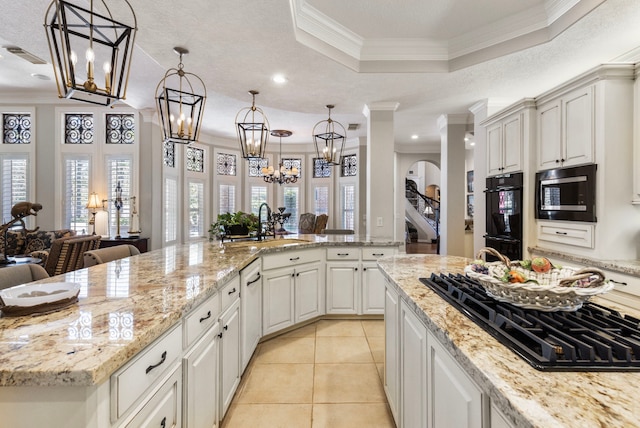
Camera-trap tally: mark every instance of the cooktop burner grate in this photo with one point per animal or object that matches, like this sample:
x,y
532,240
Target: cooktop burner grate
x,y
594,338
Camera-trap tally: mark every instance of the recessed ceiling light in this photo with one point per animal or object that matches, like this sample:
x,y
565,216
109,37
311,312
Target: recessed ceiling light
x,y
414,137
40,76
279,78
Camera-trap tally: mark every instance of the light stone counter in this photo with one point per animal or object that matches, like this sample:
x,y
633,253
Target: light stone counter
x,y
125,305
528,397
629,267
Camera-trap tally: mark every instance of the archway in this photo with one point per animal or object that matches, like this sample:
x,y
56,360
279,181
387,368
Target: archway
x,y
422,193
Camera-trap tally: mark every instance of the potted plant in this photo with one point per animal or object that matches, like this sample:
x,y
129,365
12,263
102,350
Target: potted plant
x,y
237,224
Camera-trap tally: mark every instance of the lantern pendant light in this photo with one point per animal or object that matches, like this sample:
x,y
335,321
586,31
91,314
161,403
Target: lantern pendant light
x,y
73,29
329,143
181,98
252,128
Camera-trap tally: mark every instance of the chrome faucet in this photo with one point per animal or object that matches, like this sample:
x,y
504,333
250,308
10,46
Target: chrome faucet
x,y
260,222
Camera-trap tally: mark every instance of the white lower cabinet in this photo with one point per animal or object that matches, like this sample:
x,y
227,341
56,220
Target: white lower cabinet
x,y
372,289
164,408
392,350
343,287
413,370
229,355
498,420
308,292
454,400
250,310
277,300
200,373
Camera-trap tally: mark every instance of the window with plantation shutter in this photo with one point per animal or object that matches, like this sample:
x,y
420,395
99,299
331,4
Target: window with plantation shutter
x,y
227,198
119,170
77,170
291,203
348,206
258,196
15,182
170,209
196,209
321,200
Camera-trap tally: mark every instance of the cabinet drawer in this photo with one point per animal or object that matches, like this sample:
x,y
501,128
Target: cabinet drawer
x,y
229,293
580,235
131,381
343,253
201,319
164,408
291,258
374,253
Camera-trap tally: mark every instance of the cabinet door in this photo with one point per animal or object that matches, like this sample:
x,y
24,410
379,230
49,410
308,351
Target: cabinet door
x,y
163,408
372,289
549,135
229,356
277,300
494,149
454,400
578,132
200,401
308,292
512,144
251,310
391,349
413,370
342,287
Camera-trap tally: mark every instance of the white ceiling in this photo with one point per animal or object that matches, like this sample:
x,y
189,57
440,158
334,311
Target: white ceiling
x,y
432,57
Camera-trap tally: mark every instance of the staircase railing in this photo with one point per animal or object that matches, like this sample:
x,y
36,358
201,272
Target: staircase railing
x,y
428,208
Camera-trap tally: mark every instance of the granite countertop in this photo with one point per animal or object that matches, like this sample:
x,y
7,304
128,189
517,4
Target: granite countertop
x,y
125,305
630,267
528,397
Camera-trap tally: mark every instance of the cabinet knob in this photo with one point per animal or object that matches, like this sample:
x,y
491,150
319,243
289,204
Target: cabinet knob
x,y
220,335
562,160
298,274
356,269
226,327
557,160
364,269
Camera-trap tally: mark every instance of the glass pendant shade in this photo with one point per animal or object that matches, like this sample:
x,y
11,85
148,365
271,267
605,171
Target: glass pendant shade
x,y
181,98
329,137
91,51
252,127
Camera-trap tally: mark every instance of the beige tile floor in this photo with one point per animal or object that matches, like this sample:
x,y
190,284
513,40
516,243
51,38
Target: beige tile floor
x,y
326,374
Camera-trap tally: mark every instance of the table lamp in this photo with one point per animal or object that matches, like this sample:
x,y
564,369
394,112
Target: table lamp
x,y
94,203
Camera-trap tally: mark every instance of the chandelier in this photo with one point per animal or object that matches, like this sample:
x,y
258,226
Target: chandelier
x,y
252,127
74,29
281,175
181,98
329,143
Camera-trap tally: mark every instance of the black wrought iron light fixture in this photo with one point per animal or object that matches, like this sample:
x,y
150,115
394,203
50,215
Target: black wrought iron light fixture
x,y
180,97
252,127
329,143
282,175
72,30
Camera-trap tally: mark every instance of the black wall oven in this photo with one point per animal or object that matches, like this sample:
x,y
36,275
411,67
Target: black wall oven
x,y
504,215
567,194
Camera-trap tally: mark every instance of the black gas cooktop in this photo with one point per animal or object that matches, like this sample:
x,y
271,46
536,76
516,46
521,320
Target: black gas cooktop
x,y
594,338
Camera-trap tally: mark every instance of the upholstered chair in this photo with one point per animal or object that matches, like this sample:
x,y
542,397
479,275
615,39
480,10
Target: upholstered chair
x,y
104,255
67,254
321,223
307,223
21,274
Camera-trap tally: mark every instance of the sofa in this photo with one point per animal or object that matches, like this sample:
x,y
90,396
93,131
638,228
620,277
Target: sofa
x,y
33,244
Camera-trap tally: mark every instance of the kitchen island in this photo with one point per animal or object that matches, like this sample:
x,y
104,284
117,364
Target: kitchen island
x,y
69,356
523,396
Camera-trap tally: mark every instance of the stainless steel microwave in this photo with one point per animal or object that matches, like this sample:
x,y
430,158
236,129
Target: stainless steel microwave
x,y
567,194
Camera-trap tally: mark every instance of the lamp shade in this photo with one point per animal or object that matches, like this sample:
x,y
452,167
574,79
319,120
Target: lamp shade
x,y
181,98
252,127
329,143
94,201
80,38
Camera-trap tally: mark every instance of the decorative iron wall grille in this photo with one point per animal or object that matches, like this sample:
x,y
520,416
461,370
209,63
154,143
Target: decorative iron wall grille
x,y
290,163
78,128
195,159
16,128
256,165
349,166
120,128
321,168
170,154
226,164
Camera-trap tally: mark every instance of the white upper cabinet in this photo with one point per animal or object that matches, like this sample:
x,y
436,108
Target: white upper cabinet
x,y
566,130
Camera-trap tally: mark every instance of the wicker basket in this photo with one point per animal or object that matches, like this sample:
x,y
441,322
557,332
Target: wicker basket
x,y
560,289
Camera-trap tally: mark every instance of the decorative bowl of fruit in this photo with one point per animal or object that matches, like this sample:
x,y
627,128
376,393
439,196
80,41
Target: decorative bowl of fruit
x,y
537,283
